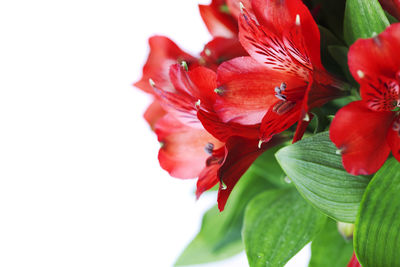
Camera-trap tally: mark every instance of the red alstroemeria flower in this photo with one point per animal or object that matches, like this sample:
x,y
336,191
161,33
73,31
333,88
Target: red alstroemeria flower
x,y
164,53
188,150
366,131
392,6
354,262
185,143
283,78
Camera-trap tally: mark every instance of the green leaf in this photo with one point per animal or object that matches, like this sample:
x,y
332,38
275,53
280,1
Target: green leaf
x,y
330,14
339,54
329,248
317,171
391,18
377,235
267,166
278,224
204,248
220,233
328,39
363,19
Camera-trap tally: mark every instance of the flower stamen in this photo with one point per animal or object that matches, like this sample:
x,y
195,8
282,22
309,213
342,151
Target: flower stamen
x,y
209,148
279,92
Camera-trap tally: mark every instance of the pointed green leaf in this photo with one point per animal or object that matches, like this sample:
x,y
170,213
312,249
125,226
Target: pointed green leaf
x,y
220,234
329,248
317,171
278,224
377,235
363,19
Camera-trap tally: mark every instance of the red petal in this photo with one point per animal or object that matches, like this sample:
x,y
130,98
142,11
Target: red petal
x,y
393,138
234,7
193,88
222,131
221,49
217,22
319,91
153,113
302,125
268,48
354,262
280,17
375,57
322,90
279,118
240,154
163,53
381,94
183,152
360,135
208,177
248,90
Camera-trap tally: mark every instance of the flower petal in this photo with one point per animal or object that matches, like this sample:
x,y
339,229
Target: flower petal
x,y
360,135
240,154
354,262
393,138
208,177
268,48
221,49
222,131
304,121
153,113
163,53
280,117
234,6
371,58
193,88
247,90
182,151
280,17
218,23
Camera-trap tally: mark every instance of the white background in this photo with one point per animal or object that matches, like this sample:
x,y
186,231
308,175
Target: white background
x,y
80,183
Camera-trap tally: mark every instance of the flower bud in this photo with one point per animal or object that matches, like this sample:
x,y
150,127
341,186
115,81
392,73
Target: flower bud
x,y
346,230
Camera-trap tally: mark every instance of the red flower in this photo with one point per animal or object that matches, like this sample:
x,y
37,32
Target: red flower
x,y
366,131
188,150
185,144
283,78
164,53
354,262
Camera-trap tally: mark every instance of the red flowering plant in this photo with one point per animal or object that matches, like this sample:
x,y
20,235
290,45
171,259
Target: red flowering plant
x,y
291,112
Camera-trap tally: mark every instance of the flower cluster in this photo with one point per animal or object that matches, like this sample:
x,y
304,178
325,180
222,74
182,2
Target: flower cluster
x,y
216,113
263,80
